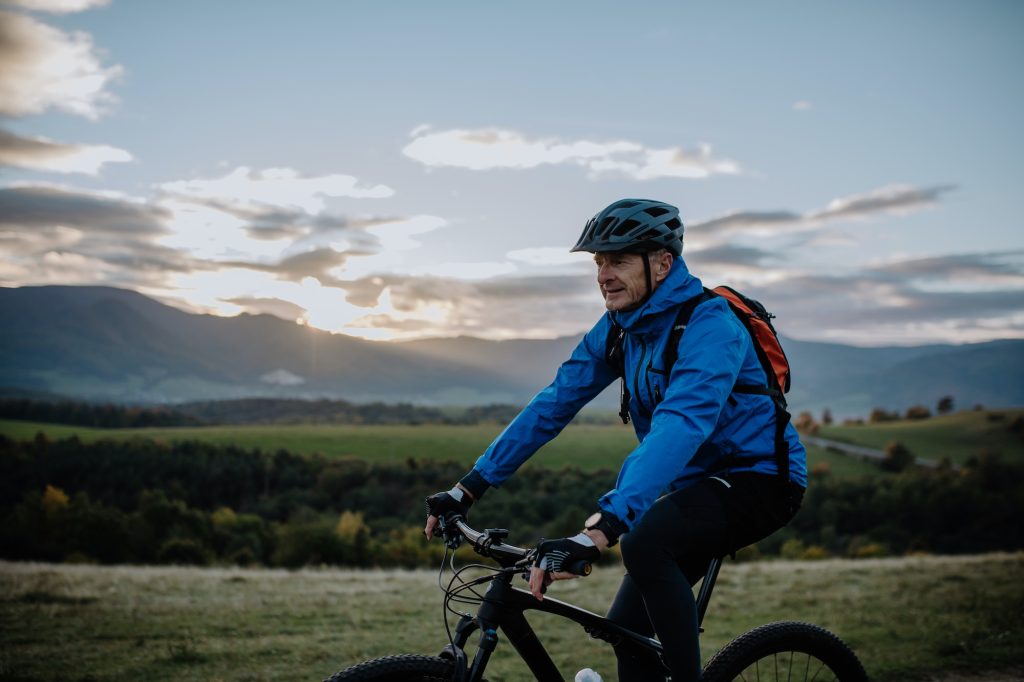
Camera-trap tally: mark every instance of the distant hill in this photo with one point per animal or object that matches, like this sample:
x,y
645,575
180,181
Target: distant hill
x,y
104,343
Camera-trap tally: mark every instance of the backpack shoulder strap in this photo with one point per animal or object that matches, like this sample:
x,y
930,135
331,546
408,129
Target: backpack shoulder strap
x,y
613,354
686,309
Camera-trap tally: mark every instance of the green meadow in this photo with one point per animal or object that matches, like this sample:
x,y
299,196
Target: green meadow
x,y
905,617
587,446
956,436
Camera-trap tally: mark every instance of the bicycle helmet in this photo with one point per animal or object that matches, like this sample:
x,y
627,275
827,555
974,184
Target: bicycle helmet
x,y
636,225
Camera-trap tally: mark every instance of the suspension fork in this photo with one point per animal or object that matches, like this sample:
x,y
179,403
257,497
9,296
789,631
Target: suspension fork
x,y
500,610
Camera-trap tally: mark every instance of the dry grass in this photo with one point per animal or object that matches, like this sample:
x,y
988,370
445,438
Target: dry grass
x,y
906,617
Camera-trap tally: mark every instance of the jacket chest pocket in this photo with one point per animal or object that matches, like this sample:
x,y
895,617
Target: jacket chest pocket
x,y
656,381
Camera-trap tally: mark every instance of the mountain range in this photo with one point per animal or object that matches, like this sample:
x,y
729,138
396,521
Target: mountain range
x,y
104,343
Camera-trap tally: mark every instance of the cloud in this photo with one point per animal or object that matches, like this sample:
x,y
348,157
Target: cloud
x,y
282,377
491,148
256,305
30,207
251,217
55,6
55,235
45,67
964,297
889,199
274,222
501,307
244,189
41,154
730,254
1005,267
316,263
549,255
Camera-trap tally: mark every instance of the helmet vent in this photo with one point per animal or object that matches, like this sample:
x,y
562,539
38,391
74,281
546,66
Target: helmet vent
x,y
673,223
655,211
624,228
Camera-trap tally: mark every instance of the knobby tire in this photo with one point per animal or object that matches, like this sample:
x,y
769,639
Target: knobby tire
x,y
404,668
789,651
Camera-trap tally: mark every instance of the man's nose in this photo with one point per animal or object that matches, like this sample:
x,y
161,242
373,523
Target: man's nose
x,y
604,274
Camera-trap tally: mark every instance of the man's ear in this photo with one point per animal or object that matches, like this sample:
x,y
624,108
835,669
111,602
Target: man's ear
x,y
663,264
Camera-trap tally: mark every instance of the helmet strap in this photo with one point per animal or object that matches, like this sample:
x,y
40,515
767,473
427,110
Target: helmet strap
x,y
648,276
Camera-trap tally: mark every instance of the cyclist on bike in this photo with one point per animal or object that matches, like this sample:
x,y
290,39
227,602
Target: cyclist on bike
x,y
709,447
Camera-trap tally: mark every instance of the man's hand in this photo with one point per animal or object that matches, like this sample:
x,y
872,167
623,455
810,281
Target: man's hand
x,y
556,557
457,500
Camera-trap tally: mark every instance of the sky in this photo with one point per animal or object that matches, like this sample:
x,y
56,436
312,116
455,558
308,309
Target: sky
x,y
395,170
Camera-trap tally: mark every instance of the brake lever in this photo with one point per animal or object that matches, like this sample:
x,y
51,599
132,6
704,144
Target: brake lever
x,y
452,537
523,566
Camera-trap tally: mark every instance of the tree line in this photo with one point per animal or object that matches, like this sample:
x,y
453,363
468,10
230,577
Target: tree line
x,y
107,416
246,411
143,501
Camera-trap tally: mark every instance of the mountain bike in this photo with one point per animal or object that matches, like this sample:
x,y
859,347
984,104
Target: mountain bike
x,y
785,650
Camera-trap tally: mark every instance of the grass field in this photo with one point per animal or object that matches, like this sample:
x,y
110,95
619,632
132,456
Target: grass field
x,y
590,447
956,436
905,617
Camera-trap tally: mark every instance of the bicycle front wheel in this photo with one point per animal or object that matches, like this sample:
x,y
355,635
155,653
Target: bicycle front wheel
x,y
404,668
795,652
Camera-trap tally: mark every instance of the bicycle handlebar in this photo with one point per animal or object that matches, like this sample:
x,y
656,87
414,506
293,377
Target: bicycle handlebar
x,y
489,543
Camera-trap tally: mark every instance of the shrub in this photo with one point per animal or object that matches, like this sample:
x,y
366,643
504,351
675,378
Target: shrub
x,y
792,548
918,412
815,553
308,543
869,550
805,423
897,457
185,551
879,414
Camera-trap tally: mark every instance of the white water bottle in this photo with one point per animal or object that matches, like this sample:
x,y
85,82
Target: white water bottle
x,y
588,675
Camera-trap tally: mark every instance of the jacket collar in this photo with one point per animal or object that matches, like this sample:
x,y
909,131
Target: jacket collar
x,y
679,286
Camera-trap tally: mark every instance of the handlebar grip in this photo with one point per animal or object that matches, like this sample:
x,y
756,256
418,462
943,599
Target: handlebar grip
x,y
581,567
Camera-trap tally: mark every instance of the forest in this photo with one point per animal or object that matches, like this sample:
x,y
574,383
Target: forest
x,y
142,501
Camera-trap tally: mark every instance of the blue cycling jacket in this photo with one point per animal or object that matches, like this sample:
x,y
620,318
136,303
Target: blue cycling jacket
x,y
689,422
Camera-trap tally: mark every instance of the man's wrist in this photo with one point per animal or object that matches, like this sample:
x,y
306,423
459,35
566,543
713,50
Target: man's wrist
x,y
608,524
598,538
475,484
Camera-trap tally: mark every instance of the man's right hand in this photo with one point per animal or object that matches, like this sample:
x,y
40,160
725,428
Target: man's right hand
x,y
457,500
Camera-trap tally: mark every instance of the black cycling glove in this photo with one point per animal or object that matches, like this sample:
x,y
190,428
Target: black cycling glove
x,y
455,500
565,555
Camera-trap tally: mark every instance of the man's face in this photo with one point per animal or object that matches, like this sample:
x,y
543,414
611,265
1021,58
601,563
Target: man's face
x,y
622,279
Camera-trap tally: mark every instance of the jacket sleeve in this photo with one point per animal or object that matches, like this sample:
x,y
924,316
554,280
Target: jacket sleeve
x,y
578,381
710,356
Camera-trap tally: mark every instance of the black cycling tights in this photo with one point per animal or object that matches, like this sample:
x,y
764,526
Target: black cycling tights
x,y
668,552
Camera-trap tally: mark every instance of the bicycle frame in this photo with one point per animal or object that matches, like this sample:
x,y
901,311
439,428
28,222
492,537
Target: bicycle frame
x,y
504,607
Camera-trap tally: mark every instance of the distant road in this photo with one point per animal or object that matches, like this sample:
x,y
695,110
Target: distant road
x,y
861,451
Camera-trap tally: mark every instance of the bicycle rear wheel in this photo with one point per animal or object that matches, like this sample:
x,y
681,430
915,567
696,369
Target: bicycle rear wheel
x,y
791,651
404,668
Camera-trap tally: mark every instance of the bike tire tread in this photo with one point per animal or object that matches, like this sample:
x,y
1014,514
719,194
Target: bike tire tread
x,y
400,668
783,636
